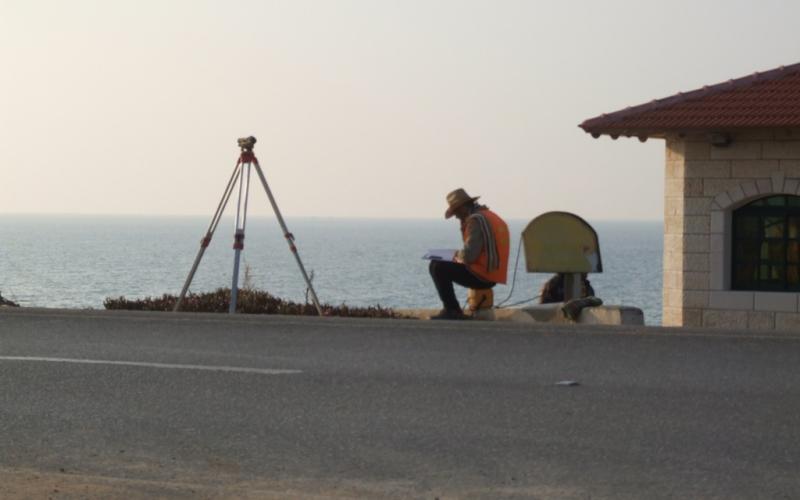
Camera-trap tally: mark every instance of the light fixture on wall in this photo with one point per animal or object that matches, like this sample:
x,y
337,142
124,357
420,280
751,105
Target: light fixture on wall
x,y
719,139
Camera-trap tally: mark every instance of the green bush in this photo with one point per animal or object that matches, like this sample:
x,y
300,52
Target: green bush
x,y
249,301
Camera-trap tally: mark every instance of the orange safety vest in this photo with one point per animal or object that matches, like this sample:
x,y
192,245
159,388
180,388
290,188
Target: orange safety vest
x,y
501,237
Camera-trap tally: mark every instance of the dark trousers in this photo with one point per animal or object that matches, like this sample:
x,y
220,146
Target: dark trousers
x,y
445,273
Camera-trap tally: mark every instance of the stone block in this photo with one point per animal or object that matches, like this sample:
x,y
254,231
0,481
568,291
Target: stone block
x,y
716,262
736,193
776,301
696,169
671,316
716,318
673,207
695,299
673,297
674,169
729,299
764,186
777,182
786,134
675,148
760,320
512,314
696,224
551,313
611,315
716,243
697,150
752,169
696,205
673,188
696,243
697,262
679,188
713,187
723,200
673,242
744,150
692,317
673,225
673,260
787,321
673,280
695,281
717,221
781,149
758,134
750,189
693,187
790,168
544,313
790,186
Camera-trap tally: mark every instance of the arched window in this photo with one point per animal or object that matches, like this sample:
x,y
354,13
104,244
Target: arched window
x,y
766,245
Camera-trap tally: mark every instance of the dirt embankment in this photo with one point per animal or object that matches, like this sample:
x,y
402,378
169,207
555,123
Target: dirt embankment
x,y
31,484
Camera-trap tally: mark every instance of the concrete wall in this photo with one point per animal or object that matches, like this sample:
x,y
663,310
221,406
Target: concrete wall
x,y
703,185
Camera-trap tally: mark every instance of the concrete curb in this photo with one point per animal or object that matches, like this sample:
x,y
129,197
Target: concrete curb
x,y
338,323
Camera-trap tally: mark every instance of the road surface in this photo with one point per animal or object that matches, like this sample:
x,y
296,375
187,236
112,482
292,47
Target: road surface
x,y
138,405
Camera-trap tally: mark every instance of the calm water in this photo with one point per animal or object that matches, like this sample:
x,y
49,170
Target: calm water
x,y
77,261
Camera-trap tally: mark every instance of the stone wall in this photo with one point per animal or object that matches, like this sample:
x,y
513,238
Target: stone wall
x,y
703,185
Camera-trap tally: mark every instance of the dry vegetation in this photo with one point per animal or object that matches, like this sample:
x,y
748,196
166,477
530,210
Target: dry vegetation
x,y
249,301
6,302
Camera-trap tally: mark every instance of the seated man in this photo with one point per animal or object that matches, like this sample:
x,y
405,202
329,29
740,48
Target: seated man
x,y
481,263
553,289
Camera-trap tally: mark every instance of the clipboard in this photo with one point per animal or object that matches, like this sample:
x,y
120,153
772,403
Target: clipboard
x,y
440,254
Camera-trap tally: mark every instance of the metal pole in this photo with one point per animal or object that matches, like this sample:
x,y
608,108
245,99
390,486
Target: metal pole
x,y
573,286
209,234
286,234
238,237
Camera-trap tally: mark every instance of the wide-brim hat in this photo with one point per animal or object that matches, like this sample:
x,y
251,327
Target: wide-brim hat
x,y
456,199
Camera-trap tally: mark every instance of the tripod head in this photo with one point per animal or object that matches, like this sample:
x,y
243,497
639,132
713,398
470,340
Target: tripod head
x,y
247,144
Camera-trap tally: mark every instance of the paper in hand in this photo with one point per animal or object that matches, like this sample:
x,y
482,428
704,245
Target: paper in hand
x,y
440,254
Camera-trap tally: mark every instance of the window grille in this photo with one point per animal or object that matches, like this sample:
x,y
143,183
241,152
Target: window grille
x,y
766,245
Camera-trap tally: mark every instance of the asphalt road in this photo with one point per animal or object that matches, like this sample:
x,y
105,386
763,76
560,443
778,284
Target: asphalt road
x,y
104,404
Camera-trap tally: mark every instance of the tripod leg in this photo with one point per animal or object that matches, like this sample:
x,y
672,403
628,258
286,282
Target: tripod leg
x,y
209,234
289,237
238,238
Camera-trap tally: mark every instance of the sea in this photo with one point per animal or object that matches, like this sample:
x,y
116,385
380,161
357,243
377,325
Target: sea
x,y
77,261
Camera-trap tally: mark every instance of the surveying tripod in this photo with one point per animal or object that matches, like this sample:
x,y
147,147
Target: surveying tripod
x,y
241,177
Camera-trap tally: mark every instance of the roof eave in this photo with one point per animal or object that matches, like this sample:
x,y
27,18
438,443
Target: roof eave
x,y
663,132
615,133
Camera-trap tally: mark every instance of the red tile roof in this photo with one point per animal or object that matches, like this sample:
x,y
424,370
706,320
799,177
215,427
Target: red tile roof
x,y
761,100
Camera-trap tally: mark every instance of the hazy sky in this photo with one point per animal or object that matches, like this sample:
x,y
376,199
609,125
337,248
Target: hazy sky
x,y
361,108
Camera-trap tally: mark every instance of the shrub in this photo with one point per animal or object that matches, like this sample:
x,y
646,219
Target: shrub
x,y
249,301
6,302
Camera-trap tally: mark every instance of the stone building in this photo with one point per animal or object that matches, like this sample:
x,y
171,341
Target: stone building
x,y
731,198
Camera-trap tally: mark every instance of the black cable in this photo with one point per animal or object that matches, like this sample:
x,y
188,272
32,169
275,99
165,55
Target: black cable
x,y
523,301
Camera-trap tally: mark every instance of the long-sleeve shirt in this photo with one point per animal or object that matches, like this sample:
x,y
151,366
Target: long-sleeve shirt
x,y
473,245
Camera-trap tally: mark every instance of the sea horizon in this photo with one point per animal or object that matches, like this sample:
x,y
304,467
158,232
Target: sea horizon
x,y
285,216
76,261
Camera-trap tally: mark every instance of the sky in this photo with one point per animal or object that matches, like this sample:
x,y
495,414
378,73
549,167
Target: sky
x,y
369,108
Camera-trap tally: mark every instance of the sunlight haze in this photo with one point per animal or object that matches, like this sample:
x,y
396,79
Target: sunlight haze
x,y
361,108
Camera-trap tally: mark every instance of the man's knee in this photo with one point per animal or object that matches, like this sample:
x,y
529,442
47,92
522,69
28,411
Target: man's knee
x,y
434,268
